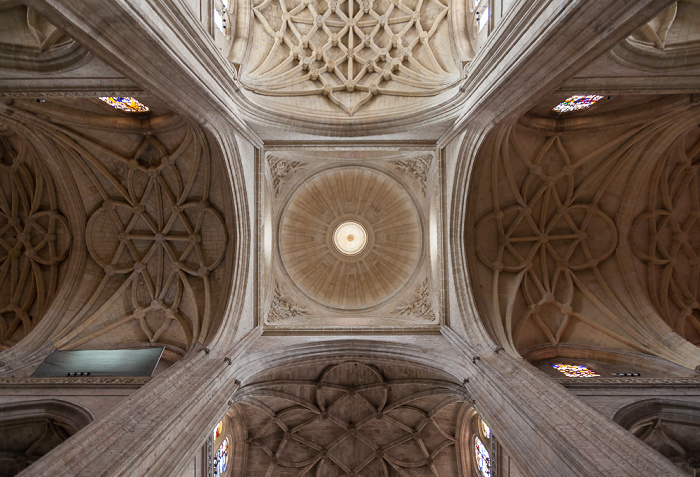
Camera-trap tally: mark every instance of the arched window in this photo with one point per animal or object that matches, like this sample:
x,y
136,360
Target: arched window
x,y
221,459
483,457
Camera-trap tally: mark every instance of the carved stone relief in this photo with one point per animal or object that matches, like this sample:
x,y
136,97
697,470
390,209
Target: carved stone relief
x,y
35,238
351,419
418,169
666,237
421,305
280,169
350,51
283,307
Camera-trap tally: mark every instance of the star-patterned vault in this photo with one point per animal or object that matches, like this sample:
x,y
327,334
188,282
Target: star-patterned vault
x,y
352,50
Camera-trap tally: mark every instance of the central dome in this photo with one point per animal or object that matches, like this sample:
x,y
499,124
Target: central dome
x,y
350,238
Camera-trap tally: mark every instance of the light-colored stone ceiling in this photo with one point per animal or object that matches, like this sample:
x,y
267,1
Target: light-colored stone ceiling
x,y
577,234
124,213
393,282
347,58
355,419
394,238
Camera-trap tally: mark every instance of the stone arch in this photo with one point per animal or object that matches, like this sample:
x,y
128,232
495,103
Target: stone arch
x,y
545,230
670,427
29,430
325,414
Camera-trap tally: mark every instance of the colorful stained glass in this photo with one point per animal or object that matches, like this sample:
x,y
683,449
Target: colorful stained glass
x,y
217,430
482,18
485,430
125,103
576,103
220,15
483,458
575,371
221,459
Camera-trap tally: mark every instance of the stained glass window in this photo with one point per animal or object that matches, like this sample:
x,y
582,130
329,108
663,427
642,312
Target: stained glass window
x,y
576,103
486,430
482,17
575,371
483,458
220,18
217,430
221,459
125,103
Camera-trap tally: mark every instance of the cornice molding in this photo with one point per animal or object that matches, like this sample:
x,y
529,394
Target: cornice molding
x,y
79,381
635,382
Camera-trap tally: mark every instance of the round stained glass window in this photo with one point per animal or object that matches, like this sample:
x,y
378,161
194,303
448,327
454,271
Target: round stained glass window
x,y
350,238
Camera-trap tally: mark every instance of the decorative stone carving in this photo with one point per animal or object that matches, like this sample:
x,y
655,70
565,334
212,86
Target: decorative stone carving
x,y
540,236
351,420
421,306
666,237
350,50
418,169
283,306
35,238
156,236
280,169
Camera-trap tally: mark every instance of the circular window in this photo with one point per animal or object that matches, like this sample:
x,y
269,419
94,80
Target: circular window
x,y
350,238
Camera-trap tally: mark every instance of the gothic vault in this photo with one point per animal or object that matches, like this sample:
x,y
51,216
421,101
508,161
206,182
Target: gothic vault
x,y
366,238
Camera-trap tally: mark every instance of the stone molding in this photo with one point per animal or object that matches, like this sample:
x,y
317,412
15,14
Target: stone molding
x,y
635,382
80,381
